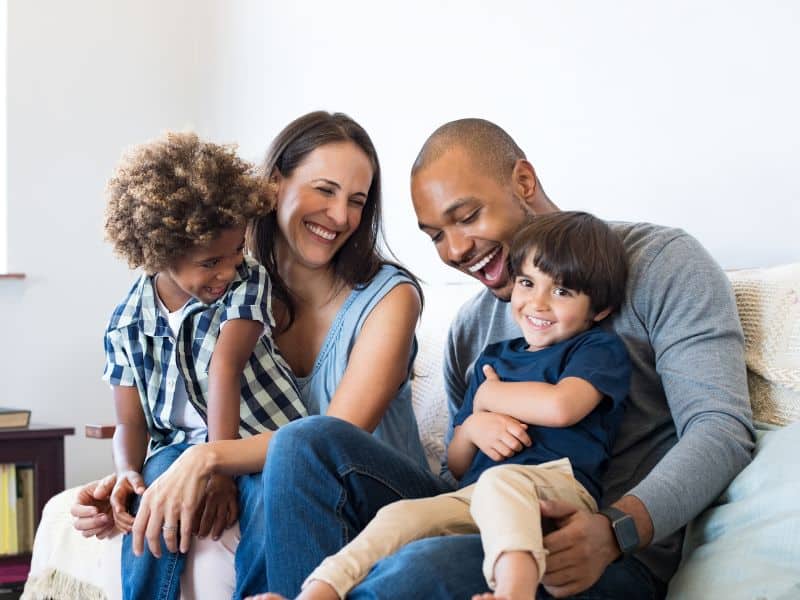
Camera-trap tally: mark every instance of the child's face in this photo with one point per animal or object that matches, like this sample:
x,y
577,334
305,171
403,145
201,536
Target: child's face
x,y
205,272
546,312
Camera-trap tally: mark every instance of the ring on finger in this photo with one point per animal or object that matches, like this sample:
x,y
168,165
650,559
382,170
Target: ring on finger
x,y
166,527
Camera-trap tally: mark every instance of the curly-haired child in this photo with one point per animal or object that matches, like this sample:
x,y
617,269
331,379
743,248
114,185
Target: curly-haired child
x,y
189,352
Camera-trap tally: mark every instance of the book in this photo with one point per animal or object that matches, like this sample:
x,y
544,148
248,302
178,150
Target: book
x,y
14,417
8,509
25,508
5,543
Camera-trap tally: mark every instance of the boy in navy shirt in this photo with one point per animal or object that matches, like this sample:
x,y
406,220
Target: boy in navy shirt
x,y
538,421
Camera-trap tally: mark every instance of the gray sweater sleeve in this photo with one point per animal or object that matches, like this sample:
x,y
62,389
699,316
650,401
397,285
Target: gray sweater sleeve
x,y
686,304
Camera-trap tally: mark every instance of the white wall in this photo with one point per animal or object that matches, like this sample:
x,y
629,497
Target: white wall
x,y
681,113
678,113
85,79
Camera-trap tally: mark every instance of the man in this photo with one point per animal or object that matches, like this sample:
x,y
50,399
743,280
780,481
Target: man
x,y
686,434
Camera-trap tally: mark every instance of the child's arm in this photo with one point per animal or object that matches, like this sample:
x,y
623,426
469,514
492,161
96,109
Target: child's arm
x,y
232,351
549,405
460,452
498,436
130,449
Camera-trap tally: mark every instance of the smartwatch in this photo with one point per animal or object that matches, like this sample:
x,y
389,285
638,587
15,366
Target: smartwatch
x,y
624,528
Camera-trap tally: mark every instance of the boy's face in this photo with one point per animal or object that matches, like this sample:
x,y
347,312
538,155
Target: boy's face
x,y
470,217
205,272
546,312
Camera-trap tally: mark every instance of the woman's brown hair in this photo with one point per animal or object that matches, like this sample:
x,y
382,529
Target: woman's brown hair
x,y
360,258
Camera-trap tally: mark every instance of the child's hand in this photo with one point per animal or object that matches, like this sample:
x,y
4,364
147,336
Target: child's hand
x,y
498,436
220,507
484,391
92,509
128,482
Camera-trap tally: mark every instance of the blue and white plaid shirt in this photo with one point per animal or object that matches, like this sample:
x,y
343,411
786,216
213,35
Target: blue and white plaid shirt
x,y
141,351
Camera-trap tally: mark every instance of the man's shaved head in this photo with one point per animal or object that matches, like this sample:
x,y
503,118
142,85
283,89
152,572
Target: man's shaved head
x,y
489,146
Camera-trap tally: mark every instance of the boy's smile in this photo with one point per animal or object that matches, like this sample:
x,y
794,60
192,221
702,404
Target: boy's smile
x,y
547,312
205,272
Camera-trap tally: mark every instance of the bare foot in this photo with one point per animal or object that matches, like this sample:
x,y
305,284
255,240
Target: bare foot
x,y
318,590
517,577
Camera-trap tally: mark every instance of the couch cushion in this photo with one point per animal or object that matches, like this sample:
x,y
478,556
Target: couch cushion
x,y
428,396
747,545
769,308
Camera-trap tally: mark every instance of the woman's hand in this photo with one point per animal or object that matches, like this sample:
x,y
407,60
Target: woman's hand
x,y
92,509
171,502
497,436
128,482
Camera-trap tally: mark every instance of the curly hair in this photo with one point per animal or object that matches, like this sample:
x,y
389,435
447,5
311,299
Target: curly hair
x,y
177,192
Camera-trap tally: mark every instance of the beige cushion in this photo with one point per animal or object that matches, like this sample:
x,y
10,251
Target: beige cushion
x,y
428,395
769,308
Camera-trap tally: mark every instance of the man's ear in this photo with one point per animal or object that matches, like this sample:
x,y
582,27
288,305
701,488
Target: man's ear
x,y
524,181
602,315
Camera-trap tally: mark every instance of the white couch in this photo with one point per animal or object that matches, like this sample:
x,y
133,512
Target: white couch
x,y
747,545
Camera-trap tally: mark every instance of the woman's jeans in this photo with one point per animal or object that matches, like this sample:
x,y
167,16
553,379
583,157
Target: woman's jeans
x,y
149,578
325,479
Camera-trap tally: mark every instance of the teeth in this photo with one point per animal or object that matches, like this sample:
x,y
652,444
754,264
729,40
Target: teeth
x,y
323,233
540,322
482,263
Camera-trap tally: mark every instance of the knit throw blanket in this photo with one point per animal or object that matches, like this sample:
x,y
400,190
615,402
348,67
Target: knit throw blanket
x,y
769,309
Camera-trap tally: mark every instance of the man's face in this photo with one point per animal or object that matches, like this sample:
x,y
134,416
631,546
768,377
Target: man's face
x,y
470,217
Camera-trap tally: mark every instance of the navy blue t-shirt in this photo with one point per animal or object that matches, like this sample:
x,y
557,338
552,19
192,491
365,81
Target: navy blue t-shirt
x,y
596,356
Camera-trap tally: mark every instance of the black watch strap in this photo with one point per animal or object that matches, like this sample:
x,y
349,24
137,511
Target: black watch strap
x,y
624,528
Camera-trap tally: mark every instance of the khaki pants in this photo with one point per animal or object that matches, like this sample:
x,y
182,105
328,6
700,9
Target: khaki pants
x,y
503,506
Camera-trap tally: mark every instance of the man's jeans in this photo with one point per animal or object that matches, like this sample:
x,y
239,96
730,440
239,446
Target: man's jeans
x,y
146,577
325,479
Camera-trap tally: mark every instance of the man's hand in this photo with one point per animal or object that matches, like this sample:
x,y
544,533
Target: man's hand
x,y
128,482
497,436
92,509
580,549
219,507
484,389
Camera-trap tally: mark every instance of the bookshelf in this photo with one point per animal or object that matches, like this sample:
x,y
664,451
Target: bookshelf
x,y
41,446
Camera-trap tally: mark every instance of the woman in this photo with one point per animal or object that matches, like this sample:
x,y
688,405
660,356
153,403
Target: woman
x,y
345,320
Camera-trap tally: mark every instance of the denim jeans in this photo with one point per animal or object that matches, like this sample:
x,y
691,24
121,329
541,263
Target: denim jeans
x,y
149,578
325,479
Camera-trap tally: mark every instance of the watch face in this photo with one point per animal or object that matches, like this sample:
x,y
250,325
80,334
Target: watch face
x,y
627,536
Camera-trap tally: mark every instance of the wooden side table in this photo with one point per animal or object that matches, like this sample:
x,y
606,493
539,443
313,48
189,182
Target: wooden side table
x,y
41,446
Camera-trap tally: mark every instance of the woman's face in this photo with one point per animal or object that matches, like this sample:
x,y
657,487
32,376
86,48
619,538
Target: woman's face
x,y
320,203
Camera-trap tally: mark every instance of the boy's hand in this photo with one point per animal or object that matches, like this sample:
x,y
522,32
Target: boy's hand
x,y
220,508
128,482
92,509
497,436
479,402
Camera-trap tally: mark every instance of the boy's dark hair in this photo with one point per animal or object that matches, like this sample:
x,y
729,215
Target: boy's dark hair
x,y
579,251
360,258
170,195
